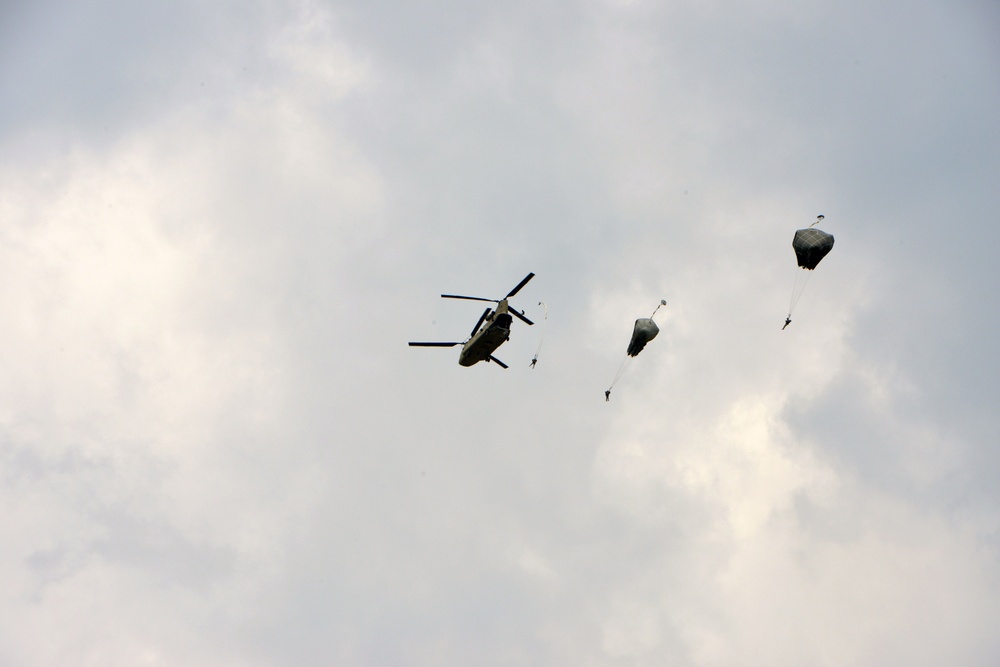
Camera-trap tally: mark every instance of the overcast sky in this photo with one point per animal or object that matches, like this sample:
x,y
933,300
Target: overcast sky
x,y
221,222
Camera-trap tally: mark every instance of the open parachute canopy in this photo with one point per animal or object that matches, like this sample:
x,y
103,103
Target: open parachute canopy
x,y
811,245
645,330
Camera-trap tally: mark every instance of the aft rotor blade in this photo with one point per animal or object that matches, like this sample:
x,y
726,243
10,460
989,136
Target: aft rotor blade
x,y
520,316
434,344
498,362
468,298
520,285
481,318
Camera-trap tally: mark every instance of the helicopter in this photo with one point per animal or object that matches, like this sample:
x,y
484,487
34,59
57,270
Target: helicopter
x,y
491,331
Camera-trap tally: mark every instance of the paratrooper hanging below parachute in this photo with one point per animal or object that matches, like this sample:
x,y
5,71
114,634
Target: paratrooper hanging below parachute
x,y
810,246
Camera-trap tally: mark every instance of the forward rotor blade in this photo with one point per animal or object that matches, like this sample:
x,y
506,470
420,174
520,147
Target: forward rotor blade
x,y
468,298
520,285
498,362
481,318
434,344
520,316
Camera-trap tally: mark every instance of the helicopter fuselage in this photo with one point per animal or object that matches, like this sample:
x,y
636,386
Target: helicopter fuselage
x,y
494,333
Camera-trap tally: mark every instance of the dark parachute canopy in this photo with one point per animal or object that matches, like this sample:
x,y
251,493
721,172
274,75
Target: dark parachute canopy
x,y
645,330
811,245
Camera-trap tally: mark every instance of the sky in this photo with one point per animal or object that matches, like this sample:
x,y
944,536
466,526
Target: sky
x,y
221,222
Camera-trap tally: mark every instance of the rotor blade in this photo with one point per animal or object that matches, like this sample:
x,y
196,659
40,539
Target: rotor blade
x,y
434,344
498,362
520,285
468,298
520,316
481,318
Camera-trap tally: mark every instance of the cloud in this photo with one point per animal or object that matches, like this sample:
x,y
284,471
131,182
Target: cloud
x,y
217,448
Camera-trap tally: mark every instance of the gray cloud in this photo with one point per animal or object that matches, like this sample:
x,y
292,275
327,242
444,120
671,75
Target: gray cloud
x,y
217,448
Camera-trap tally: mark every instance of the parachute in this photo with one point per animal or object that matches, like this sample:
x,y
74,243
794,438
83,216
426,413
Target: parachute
x,y
643,331
810,246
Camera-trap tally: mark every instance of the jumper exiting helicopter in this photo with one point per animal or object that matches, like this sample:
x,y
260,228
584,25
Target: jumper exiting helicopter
x,y
495,329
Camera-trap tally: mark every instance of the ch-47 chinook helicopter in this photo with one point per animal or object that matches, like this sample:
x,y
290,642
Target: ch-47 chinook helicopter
x,y
494,331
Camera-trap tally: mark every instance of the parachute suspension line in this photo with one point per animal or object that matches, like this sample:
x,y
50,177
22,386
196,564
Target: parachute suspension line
x,y
534,360
798,287
663,302
626,362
